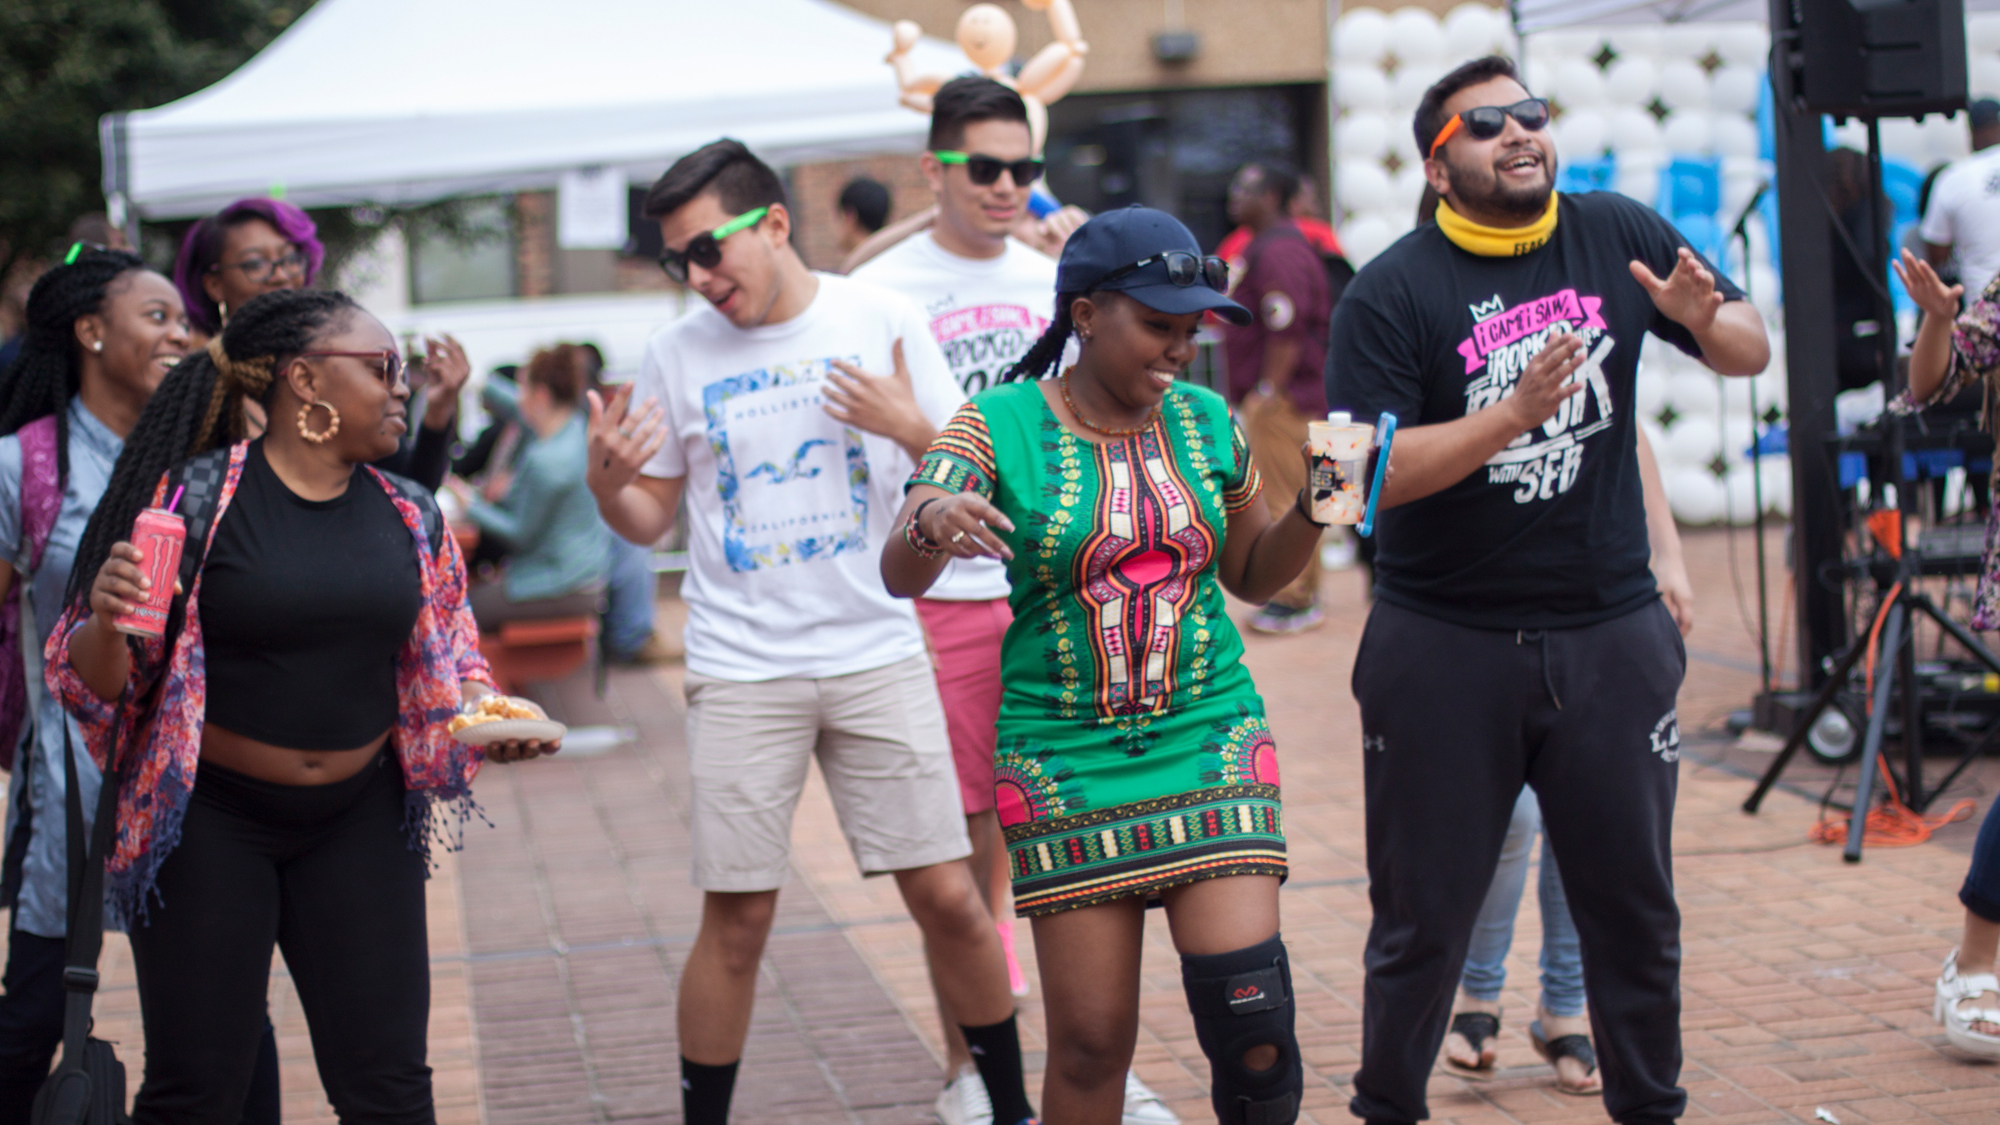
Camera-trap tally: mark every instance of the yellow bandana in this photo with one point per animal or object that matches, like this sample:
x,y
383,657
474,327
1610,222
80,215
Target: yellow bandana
x,y
1496,242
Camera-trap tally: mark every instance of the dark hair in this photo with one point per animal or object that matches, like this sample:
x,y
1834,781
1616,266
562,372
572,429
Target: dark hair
x,y
1430,116
48,372
560,369
1427,205
970,98
740,181
1279,179
1047,350
199,407
202,249
868,200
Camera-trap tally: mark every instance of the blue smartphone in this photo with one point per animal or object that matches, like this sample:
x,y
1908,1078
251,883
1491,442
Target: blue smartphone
x,y
1385,436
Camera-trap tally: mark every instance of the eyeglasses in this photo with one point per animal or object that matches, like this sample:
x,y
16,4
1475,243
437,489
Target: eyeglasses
x,y
1183,269
705,249
985,170
261,269
390,371
1487,121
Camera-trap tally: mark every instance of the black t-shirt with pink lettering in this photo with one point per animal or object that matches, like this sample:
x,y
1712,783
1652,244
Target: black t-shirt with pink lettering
x,y
1551,531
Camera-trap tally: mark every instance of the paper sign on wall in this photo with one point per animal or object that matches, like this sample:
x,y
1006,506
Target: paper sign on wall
x,y
590,210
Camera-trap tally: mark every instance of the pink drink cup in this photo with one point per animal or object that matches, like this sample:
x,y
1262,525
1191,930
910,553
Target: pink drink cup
x,y
159,535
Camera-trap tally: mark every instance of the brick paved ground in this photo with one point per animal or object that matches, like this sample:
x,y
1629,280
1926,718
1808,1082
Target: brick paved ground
x,y
557,935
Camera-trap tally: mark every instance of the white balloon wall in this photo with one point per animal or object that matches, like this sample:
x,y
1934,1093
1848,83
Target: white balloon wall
x,y
1642,97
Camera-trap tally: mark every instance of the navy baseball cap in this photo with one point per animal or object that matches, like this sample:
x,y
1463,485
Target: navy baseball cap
x,y
1983,113
1115,240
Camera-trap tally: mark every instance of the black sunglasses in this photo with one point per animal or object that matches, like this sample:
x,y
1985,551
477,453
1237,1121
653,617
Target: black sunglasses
x,y
1487,121
705,249
985,170
1183,269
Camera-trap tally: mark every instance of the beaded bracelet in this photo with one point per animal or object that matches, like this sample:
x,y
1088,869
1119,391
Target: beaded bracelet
x,y
920,544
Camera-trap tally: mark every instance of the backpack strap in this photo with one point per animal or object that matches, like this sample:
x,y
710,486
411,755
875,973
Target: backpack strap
x,y
427,507
41,486
200,478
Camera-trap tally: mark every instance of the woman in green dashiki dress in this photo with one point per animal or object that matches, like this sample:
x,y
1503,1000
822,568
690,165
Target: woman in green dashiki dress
x,y
1134,763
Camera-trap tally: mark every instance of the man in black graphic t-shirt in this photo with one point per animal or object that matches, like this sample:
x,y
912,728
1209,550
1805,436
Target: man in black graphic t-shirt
x,y
1511,579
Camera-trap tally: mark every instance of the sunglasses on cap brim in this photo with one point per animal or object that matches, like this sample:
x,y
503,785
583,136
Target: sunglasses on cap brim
x,y
985,170
1183,269
1488,121
705,249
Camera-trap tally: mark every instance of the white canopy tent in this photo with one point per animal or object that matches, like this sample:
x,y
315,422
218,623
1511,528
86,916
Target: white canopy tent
x,y
403,101
1546,15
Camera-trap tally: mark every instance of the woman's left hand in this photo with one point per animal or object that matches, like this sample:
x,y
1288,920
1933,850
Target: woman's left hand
x,y
445,363
519,751
1926,288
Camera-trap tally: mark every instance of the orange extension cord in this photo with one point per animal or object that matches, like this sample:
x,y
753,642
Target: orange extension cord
x,y
1892,824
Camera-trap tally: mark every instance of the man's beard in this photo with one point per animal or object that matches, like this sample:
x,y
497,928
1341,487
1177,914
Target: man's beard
x,y
1482,189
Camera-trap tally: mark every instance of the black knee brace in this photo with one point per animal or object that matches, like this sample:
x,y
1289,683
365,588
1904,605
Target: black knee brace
x,y
1241,1001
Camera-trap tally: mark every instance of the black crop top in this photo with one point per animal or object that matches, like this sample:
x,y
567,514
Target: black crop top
x,y
304,605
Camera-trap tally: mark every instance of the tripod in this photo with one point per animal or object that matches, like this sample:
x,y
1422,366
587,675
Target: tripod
x,y
1896,660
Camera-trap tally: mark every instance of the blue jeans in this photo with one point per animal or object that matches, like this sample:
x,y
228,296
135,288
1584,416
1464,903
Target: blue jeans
x,y
1492,935
628,603
1981,892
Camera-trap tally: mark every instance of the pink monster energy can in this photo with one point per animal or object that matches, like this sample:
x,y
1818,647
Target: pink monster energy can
x,y
159,535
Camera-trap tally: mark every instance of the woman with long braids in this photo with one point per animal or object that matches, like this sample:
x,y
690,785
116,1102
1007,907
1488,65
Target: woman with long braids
x,y
256,246
103,330
283,750
1134,764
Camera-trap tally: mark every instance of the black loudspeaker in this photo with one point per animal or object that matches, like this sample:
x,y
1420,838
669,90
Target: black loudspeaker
x,y
1877,58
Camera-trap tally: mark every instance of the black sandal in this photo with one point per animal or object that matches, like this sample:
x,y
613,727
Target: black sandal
x,y
1475,1028
1566,1047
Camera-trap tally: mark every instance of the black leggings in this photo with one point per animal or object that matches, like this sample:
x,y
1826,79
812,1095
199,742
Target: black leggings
x,y
324,872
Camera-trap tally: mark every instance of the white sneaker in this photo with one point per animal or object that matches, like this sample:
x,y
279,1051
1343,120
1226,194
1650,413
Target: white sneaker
x,y
1143,1106
963,1100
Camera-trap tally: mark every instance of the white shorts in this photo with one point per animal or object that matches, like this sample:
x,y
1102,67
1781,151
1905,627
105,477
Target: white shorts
x,y
880,739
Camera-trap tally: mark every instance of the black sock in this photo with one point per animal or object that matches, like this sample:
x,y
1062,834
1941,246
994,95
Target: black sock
x,y
996,1051
705,1092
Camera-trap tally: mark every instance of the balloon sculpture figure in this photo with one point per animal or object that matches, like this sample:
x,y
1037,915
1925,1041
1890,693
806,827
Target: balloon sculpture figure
x,y
986,34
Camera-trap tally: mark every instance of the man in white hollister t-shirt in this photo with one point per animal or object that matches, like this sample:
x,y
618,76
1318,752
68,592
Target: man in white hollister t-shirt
x,y
988,297
760,411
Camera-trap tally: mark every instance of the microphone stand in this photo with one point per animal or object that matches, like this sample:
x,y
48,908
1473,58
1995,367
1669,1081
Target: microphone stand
x,y
1741,234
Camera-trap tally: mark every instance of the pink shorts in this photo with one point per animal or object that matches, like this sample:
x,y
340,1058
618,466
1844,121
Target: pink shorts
x,y
965,636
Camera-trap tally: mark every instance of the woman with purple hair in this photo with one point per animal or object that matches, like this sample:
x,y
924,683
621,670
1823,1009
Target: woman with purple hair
x,y
257,245
251,246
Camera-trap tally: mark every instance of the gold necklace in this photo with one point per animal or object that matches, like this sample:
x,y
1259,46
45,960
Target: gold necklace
x,y
1062,385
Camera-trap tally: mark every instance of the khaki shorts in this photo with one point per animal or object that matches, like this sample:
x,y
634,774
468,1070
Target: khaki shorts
x,y
880,739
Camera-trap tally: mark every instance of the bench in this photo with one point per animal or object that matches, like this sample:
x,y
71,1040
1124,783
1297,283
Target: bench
x,y
524,652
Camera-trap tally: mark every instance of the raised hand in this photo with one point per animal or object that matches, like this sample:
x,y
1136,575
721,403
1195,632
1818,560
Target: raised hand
x,y
445,363
880,404
963,525
621,440
1688,296
1926,288
1546,382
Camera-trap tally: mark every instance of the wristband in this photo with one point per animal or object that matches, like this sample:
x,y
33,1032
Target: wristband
x,y
922,545
1306,511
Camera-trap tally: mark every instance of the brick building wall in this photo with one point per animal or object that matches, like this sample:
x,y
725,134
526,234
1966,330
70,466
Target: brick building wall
x,y
534,243
815,193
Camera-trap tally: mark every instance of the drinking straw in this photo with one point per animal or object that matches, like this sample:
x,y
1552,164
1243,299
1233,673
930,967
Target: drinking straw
x,y
176,501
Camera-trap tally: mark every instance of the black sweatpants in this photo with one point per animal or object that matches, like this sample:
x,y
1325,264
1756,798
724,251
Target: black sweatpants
x,y
31,1024
1454,720
325,873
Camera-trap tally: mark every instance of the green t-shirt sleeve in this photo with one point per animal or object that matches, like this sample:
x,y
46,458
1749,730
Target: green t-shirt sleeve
x,y
960,459
1244,481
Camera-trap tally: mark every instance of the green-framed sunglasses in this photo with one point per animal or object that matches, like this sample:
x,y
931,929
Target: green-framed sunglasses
x,y
985,170
705,249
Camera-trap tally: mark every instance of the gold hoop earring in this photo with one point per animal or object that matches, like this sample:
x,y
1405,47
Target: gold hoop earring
x,y
305,429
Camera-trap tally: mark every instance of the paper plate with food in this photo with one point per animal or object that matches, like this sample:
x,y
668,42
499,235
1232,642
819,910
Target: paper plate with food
x,y
504,718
